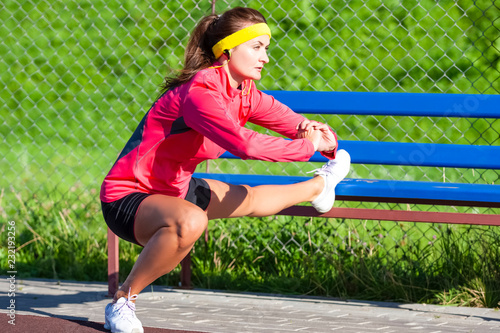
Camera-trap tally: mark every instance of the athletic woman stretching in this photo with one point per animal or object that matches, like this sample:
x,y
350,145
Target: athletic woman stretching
x,y
150,198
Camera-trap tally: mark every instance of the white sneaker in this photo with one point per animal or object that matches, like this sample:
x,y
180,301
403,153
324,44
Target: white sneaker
x,y
120,316
332,172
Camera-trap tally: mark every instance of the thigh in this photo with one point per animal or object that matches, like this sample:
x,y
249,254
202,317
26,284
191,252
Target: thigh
x,y
227,200
159,211
120,215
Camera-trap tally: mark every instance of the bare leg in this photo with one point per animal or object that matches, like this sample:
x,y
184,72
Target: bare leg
x,y
169,227
233,201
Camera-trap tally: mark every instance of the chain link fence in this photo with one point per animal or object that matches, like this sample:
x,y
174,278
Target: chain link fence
x,y
78,76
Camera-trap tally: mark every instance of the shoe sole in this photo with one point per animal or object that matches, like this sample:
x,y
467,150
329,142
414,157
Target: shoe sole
x,y
135,330
347,159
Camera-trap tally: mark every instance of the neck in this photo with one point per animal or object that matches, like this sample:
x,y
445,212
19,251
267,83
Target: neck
x,y
233,81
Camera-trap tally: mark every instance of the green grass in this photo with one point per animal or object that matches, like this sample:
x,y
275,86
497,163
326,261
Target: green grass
x,y
406,262
78,77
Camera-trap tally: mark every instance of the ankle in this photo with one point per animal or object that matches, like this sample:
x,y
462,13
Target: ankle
x,y
119,294
318,187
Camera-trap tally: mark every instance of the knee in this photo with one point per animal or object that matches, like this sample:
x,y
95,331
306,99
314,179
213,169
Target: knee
x,y
190,227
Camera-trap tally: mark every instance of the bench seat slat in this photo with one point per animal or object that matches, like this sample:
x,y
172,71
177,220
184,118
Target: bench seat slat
x,y
391,104
415,154
457,194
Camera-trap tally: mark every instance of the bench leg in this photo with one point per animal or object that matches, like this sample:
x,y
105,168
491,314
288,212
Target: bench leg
x,y
113,263
186,272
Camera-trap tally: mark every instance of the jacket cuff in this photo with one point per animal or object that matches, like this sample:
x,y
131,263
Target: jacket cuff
x,y
332,153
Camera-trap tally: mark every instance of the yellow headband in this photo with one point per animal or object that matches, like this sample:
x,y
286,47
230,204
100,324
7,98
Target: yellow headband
x,y
240,37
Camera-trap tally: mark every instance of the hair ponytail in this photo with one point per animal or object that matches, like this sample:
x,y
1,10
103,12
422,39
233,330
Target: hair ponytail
x,y
210,30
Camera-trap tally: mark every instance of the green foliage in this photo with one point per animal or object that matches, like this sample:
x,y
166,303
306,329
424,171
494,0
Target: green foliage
x,y
408,262
343,259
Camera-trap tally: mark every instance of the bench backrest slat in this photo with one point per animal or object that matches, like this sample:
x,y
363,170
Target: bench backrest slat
x,y
391,104
423,154
416,154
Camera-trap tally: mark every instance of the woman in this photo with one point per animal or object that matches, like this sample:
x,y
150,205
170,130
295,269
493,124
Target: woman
x,y
150,198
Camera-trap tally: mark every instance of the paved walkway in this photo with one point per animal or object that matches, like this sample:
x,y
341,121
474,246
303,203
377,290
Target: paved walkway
x,y
216,311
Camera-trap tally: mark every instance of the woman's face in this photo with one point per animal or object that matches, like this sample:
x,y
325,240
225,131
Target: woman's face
x,y
248,59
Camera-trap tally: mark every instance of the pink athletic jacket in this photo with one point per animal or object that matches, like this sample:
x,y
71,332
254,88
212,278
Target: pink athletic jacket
x,y
197,121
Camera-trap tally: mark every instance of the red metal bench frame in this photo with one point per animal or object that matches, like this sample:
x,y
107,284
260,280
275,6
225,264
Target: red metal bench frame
x,y
397,104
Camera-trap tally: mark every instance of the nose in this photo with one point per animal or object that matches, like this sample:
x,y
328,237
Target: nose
x,y
265,58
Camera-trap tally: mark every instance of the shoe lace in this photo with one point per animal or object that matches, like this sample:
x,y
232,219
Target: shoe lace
x,y
320,170
315,170
128,306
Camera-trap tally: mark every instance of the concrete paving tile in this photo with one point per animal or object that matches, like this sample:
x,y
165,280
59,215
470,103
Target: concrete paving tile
x,y
216,311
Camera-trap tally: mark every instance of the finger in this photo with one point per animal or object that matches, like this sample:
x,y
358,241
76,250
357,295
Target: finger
x,y
325,130
309,126
301,134
320,126
300,125
303,124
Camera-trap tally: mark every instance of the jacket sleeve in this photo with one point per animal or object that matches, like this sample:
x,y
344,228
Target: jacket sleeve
x,y
206,111
276,116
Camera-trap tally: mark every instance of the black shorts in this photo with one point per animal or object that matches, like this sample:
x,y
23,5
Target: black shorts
x,y
120,214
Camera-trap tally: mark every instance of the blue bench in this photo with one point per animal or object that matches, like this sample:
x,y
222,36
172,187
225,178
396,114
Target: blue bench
x,y
397,153
393,153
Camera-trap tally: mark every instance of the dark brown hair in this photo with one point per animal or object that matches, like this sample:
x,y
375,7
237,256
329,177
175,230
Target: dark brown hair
x,y
209,31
